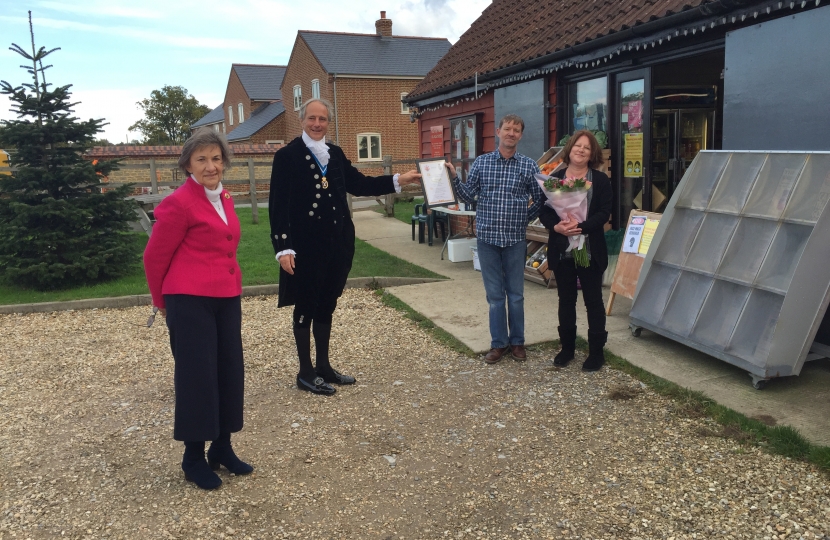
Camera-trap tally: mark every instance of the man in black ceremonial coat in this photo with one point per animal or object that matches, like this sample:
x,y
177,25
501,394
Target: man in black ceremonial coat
x,y
313,235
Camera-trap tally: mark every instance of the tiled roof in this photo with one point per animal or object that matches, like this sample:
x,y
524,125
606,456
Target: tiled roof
x,y
124,151
511,32
215,116
261,82
257,121
370,54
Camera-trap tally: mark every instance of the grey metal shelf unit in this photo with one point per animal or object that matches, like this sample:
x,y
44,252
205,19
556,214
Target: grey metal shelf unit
x,y
740,265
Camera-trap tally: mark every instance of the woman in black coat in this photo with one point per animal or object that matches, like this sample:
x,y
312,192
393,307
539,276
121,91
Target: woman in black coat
x,y
313,235
582,155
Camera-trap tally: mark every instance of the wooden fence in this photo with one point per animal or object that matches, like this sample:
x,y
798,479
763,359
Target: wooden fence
x,y
149,201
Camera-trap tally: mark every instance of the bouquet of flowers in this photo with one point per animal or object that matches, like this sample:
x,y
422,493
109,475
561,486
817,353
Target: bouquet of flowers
x,y
569,196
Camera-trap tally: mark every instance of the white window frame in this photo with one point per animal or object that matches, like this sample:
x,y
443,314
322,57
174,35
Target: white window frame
x,y
404,106
241,113
368,137
230,115
315,88
298,97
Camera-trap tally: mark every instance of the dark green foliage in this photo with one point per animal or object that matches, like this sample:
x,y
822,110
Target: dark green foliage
x,y
168,114
58,227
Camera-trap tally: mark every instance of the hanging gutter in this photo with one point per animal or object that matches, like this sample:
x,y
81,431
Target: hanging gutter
x,y
590,53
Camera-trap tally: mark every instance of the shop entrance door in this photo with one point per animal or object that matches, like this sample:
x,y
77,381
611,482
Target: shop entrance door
x,y
677,137
630,152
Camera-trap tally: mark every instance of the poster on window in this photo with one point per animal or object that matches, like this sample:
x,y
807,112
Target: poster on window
x,y
436,137
632,113
633,155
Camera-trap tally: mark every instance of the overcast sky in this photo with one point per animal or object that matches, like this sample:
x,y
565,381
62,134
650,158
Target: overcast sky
x,y
115,52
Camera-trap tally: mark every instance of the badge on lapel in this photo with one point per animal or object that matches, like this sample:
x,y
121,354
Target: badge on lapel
x,y
227,195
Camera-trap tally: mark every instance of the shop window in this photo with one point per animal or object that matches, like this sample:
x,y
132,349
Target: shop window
x,y
588,105
315,89
464,142
368,147
298,97
241,113
230,115
404,106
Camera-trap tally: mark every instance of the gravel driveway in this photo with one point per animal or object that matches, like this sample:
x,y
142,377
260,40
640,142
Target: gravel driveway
x,y
429,444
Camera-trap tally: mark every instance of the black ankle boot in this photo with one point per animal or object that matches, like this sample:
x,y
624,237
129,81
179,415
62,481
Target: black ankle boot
x,y
196,469
567,339
596,355
322,336
221,453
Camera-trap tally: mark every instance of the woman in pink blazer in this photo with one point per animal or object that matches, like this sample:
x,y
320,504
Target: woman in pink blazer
x,y
196,283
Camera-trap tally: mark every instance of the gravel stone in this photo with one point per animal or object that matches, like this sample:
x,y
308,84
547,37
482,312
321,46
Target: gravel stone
x,y
513,450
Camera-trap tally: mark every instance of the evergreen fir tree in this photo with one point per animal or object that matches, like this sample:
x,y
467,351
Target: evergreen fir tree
x,y
59,226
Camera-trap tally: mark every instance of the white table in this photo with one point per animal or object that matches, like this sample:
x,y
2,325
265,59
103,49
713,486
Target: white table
x,y
466,233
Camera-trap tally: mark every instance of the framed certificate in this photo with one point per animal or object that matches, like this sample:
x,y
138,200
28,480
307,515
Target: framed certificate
x,y
435,178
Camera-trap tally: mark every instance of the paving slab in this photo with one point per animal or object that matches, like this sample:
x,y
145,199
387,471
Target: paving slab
x,y
458,306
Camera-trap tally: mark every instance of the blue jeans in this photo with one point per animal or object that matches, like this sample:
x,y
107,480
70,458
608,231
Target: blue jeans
x,y
502,269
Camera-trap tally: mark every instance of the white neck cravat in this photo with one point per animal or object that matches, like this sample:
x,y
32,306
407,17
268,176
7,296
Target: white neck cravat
x,y
319,148
215,198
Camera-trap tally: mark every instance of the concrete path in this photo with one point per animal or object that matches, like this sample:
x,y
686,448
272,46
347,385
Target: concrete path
x,y
459,307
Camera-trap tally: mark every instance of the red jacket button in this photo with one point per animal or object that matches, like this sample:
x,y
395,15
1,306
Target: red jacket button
x,y
230,254
230,237
232,270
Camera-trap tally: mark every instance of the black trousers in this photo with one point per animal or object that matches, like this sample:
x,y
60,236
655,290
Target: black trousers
x,y
206,340
590,278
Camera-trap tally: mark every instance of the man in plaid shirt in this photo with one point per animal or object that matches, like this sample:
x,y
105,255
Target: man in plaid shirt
x,y
507,198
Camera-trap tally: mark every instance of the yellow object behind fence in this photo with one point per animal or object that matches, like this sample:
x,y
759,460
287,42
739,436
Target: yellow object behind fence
x,y
4,162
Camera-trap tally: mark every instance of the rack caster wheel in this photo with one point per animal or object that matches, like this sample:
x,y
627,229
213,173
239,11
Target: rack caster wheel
x,y
759,383
635,330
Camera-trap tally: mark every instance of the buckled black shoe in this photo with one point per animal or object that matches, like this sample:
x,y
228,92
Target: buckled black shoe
x,y
336,377
317,386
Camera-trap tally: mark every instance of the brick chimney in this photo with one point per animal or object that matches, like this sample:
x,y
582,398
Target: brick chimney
x,y
383,26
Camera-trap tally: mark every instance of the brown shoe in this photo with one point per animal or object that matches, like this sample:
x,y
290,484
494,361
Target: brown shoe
x,y
518,352
495,354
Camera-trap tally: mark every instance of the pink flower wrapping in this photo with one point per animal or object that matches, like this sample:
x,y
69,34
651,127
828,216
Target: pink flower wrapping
x,y
569,200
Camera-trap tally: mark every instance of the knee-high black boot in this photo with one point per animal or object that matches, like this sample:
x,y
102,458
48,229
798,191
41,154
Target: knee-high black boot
x,y
567,339
302,336
322,336
196,469
221,453
596,355
307,378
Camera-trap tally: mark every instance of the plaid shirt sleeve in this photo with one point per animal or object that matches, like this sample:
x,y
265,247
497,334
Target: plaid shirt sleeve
x,y
537,195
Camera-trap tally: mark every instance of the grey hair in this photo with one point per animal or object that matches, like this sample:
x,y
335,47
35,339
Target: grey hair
x,y
325,103
200,139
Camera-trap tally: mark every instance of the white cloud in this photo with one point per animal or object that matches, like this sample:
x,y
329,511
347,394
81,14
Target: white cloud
x,y
115,105
117,51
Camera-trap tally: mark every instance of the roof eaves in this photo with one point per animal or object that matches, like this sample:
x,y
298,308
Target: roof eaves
x,y
584,45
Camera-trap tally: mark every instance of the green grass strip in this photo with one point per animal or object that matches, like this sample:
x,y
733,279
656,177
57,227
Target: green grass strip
x,y
255,256
781,440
